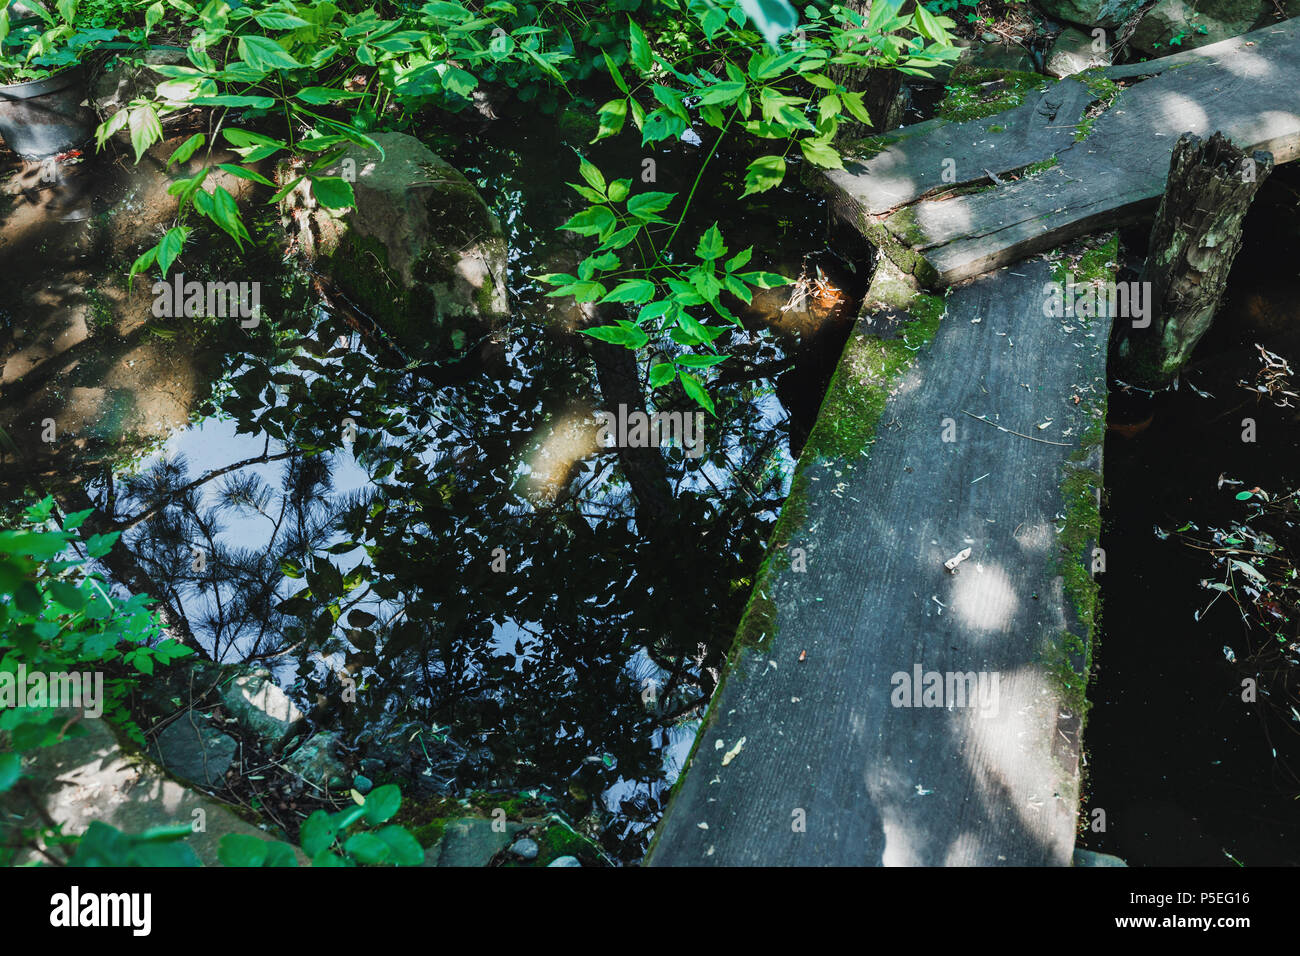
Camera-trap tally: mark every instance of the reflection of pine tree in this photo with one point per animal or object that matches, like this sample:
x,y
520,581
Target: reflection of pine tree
x,y
215,546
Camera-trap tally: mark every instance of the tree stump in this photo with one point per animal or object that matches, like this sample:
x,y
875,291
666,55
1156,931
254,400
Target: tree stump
x,y
1196,236
879,87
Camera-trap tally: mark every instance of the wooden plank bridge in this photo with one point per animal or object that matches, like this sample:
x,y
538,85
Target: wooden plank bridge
x,y
818,748
920,199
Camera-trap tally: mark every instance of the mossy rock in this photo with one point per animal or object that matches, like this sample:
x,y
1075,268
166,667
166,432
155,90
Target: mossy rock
x,y
420,253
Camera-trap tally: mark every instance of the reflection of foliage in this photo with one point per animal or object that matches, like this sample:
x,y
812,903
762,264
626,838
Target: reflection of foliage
x,y
1257,560
229,595
58,617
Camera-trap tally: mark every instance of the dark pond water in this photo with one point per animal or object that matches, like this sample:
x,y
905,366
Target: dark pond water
x,y
533,610
1185,771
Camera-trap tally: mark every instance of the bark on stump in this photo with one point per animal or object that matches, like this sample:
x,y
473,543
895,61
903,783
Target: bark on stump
x,y
1194,241
879,88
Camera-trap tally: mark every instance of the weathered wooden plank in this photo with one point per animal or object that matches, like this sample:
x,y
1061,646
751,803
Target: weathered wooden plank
x,y
808,762
1249,90
920,164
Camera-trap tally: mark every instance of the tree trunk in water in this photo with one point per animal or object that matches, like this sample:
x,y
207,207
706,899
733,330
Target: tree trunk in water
x,y
644,468
1195,238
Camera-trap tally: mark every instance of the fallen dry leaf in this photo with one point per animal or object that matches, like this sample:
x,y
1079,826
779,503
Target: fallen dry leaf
x,y
956,559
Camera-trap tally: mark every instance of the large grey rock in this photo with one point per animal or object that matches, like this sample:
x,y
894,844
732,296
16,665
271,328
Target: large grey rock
x,y
1074,51
259,705
473,841
420,251
194,751
88,777
1090,13
1183,20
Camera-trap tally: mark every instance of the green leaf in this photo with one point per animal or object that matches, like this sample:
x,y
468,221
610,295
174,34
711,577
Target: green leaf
x,y
145,128
279,855
1245,495
152,15
640,49
594,221
701,361
710,246
366,848
280,21
10,769
239,172
611,118
143,261
317,833
321,95
333,192
646,205
382,803
763,174
98,545
853,103
592,175
225,213
725,92
404,849
224,99
241,849
615,73
629,336
186,149
695,390
636,291
662,374
821,153
619,190
263,53
67,595
170,247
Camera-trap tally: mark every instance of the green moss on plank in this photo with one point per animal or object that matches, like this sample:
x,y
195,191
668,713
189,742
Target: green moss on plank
x,y
1104,93
868,371
973,94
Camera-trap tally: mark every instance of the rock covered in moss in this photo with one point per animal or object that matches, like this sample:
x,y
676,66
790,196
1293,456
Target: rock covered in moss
x,y
1101,13
420,252
1174,25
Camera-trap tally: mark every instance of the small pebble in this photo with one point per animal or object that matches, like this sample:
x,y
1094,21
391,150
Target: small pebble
x,y
526,849
362,784
565,861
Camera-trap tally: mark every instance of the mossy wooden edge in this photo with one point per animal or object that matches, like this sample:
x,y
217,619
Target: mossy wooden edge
x,y
1070,658
869,369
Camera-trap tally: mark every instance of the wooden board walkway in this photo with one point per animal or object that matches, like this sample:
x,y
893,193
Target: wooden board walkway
x,y
808,761
909,198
